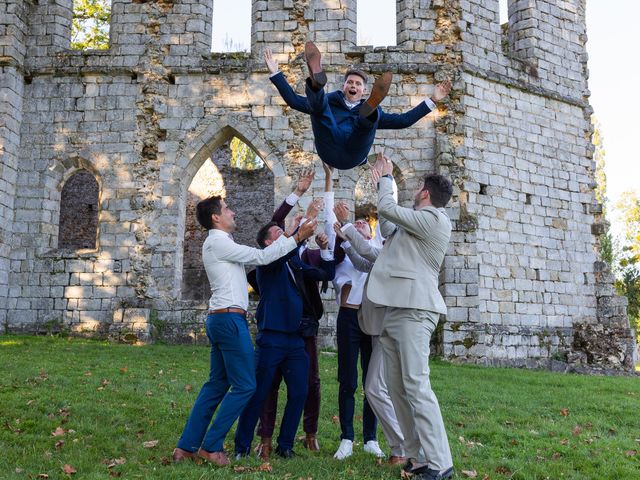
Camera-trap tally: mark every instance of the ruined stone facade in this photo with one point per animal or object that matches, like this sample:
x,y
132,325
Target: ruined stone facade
x,y
521,278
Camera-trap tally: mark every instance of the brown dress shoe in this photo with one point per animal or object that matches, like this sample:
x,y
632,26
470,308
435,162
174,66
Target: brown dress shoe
x,y
395,460
311,442
264,448
316,75
219,458
179,455
378,92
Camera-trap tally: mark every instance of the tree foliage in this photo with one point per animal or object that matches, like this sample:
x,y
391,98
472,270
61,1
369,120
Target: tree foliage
x,y
598,156
90,24
243,157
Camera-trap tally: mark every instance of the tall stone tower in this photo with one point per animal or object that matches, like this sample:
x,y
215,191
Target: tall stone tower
x,y
522,279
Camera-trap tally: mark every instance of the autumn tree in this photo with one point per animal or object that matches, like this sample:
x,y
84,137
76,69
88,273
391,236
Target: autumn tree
x,y
243,156
90,24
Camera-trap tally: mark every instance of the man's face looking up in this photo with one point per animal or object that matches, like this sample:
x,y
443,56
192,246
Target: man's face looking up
x,y
353,88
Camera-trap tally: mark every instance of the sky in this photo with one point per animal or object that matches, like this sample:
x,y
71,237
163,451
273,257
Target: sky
x,y
613,43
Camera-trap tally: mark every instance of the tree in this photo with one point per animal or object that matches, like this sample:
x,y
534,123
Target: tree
x,y
243,157
90,24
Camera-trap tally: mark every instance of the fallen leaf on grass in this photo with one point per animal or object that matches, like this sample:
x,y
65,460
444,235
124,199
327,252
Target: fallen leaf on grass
x,y
115,462
335,419
165,461
577,430
43,475
188,388
148,393
556,456
564,441
58,432
514,441
68,469
87,374
113,473
564,412
265,467
239,468
470,473
150,443
30,402
59,444
503,470
469,443
631,453
124,369
19,470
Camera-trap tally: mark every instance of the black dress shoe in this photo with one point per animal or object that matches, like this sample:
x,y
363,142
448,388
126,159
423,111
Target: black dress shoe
x,y
316,75
430,474
285,452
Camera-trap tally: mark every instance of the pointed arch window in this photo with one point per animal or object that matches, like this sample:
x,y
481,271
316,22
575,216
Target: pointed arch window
x,y
78,224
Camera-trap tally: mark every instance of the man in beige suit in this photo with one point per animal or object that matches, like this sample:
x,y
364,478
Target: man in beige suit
x,y
404,278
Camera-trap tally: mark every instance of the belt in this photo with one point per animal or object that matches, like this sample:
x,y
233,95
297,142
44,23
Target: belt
x,y
228,310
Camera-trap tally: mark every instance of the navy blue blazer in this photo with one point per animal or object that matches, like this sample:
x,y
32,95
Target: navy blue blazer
x,y
281,302
344,116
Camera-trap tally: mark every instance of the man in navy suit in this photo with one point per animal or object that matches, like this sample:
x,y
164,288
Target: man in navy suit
x,y
344,124
282,313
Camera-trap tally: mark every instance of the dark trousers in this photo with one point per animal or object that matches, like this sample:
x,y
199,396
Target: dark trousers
x,y
312,403
351,342
275,350
232,382
345,145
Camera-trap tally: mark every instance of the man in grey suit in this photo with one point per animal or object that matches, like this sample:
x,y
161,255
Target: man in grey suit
x,y
404,278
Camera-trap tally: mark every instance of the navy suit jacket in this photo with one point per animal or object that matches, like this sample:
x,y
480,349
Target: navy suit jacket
x,y
281,299
344,116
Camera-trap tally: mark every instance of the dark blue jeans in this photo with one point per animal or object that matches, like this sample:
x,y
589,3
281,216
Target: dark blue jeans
x,y
343,144
232,381
351,342
284,351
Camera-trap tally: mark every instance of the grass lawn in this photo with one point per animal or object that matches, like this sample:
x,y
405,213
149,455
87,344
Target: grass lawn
x,y
93,406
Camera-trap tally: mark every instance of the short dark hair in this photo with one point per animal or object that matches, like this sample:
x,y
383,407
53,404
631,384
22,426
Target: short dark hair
x,y
206,208
439,188
263,233
358,72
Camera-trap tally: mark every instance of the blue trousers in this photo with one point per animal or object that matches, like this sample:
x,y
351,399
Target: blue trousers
x,y
276,350
232,382
342,144
351,342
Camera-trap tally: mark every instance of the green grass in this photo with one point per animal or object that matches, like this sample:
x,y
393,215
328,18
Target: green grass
x,y
110,399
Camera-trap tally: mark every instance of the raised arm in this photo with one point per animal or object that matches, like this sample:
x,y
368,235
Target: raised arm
x,y
295,101
404,120
359,244
303,184
360,263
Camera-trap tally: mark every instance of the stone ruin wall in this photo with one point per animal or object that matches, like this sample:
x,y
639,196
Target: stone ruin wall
x,y
521,278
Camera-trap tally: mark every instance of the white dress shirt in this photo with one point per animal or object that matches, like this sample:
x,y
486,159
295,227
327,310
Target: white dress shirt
x,y
224,262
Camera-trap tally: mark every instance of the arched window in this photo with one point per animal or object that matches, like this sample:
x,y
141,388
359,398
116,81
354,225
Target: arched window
x,y
78,226
231,26
238,174
376,22
90,24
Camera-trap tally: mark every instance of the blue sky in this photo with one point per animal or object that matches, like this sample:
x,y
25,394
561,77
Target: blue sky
x,y
614,66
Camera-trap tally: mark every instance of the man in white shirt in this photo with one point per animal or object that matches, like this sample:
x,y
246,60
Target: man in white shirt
x,y
232,379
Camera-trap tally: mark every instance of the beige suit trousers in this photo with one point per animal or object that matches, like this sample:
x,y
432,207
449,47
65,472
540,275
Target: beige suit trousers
x,y
405,341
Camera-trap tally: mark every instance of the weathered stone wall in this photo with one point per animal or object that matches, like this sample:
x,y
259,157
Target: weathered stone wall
x,y
143,117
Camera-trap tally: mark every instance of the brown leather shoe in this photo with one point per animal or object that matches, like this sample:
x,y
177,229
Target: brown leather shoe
x,y
317,76
219,458
311,442
395,460
264,448
378,92
179,455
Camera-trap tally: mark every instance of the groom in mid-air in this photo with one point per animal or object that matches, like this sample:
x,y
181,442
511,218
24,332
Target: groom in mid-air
x,y
344,124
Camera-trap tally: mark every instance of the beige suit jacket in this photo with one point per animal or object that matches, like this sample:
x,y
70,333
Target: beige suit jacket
x,y
406,272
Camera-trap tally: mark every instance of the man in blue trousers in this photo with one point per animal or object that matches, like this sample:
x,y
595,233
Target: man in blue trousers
x,y
285,311
344,124
232,379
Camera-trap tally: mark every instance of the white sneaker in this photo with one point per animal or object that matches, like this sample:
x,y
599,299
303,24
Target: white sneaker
x,y
344,450
374,448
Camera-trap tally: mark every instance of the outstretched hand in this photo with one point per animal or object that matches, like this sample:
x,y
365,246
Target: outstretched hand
x,y
323,241
338,229
304,180
441,91
295,223
307,229
314,208
342,212
272,64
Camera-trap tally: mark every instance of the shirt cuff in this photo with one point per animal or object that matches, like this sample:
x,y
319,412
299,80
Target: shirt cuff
x,y
326,255
274,74
292,199
345,245
430,104
345,226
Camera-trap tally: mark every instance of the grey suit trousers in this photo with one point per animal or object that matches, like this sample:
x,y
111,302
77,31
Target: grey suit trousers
x,y
405,341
